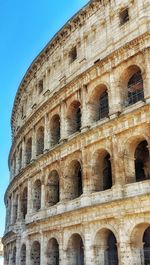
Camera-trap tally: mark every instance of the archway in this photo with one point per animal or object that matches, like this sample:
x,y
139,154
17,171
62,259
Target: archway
x,y
142,161
99,104
75,251
15,209
35,253
73,181
140,242
37,195
55,130
28,152
74,117
24,202
132,85
53,188
23,255
53,252
40,141
102,171
146,246
105,248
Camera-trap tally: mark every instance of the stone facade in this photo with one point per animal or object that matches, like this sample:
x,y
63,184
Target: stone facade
x,y
79,163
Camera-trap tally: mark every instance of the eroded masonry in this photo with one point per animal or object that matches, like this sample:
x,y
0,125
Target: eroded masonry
x,y
79,191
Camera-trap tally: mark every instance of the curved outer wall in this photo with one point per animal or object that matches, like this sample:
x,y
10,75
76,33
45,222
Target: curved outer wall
x,y
79,161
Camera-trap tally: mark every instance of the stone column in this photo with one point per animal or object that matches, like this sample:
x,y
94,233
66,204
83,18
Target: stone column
x,y
114,97
63,124
33,144
88,249
146,76
85,111
125,253
43,250
42,195
61,255
46,134
117,163
18,246
64,256
129,163
62,192
28,252
86,172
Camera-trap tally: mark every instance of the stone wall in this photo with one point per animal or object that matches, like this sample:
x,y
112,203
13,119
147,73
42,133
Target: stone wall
x,y
80,157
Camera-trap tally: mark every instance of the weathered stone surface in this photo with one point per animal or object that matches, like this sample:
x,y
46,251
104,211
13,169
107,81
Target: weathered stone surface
x,y
79,163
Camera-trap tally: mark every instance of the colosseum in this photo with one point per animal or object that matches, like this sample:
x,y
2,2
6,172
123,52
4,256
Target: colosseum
x,y
79,191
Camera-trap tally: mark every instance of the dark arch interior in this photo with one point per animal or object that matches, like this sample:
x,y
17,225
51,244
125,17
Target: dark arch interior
x,y
53,252
146,241
76,250
37,195
78,179
28,151
55,130
23,255
35,253
40,141
103,105
107,173
74,117
24,202
111,255
135,88
53,188
142,161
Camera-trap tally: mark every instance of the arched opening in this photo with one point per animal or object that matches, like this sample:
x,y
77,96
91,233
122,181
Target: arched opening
x,y
24,202
140,242
53,188
55,130
74,117
146,246
23,255
105,248
99,104
75,250
15,209
142,161
102,176
28,153
135,87
37,195
20,159
40,141
35,253
53,252
73,181
131,82
13,260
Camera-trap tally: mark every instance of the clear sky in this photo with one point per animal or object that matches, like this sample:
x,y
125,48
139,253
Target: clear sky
x,y
25,28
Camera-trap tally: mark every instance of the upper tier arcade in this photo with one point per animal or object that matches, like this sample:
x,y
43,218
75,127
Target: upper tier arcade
x,y
83,41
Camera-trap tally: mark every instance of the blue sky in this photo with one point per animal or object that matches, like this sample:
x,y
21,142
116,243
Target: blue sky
x,y
25,28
